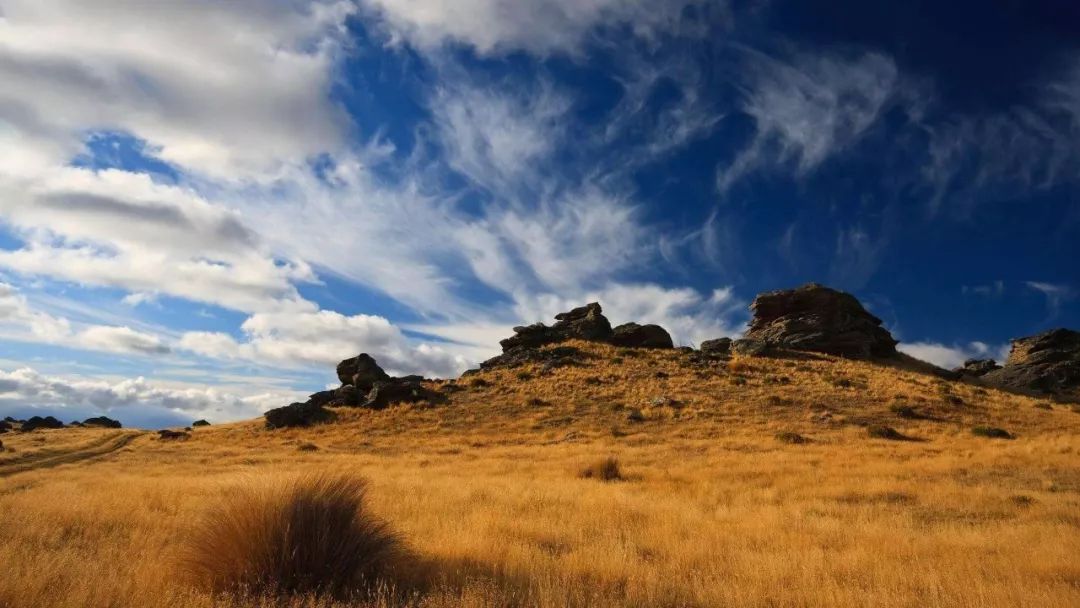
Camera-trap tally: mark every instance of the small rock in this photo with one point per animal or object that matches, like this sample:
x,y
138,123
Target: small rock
x,y
748,347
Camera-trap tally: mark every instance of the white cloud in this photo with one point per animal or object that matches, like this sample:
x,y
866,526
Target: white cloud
x,y
30,388
950,357
496,26
20,321
1056,295
120,229
323,339
222,88
810,109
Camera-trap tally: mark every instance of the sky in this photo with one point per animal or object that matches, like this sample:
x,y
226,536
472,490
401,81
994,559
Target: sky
x,y
205,205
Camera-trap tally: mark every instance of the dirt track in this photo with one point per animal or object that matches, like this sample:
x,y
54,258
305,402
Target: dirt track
x,y
96,449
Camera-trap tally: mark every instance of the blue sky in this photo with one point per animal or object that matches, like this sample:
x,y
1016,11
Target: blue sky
x,y
204,206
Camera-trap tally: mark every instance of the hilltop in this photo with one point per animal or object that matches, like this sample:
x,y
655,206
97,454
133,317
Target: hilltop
x,y
750,472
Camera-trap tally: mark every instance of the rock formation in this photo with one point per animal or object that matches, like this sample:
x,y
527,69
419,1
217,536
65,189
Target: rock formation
x,y
1048,362
719,346
198,423
296,414
820,319
975,368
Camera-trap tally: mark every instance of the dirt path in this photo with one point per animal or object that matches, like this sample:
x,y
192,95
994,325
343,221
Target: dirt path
x,y
106,445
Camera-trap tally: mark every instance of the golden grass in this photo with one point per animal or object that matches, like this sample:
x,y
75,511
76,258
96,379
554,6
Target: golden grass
x,y
718,511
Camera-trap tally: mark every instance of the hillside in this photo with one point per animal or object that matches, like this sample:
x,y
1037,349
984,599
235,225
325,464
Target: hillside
x,y
746,481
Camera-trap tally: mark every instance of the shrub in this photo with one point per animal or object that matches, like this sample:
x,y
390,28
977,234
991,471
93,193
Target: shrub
x,y
309,535
606,469
991,432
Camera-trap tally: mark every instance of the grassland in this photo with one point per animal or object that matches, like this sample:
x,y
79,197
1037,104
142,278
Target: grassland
x,y
713,509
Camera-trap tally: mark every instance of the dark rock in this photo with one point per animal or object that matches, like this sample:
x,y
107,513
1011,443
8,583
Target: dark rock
x,y
550,358
9,419
167,435
296,414
1048,362
991,432
322,398
819,319
719,346
641,336
37,422
400,390
886,432
977,367
360,371
582,323
103,421
748,347
5,426
199,423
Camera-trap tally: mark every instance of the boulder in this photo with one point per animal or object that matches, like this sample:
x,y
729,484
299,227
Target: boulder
x,y
37,422
719,346
199,423
748,347
346,395
975,368
399,390
103,421
819,319
322,398
1047,363
641,336
296,414
360,371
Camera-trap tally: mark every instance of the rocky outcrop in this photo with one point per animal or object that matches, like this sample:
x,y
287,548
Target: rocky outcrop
x,y
1047,363
719,346
364,384
632,335
199,423
170,435
819,319
975,368
37,422
361,371
103,421
582,323
296,414
749,347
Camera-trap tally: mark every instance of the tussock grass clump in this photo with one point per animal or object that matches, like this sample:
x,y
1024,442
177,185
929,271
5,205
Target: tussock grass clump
x,y
886,432
792,438
309,535
605,469
307,447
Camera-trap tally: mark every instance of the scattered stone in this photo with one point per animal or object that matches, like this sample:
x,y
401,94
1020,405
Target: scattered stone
x,y
1048,362
296,414
167,435
103,421
361,371
633,335
975,368
199,423
37,422
819,319
748,347
886,432
991,432
719,346
792,438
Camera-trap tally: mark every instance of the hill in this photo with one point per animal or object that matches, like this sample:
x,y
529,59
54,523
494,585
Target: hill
x,y
744,482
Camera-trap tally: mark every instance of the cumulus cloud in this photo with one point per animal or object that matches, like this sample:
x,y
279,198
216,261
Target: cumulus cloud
x,y
324,338
20,321
952,356
226,89
27,387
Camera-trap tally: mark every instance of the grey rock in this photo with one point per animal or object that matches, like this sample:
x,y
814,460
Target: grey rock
x,y
633,335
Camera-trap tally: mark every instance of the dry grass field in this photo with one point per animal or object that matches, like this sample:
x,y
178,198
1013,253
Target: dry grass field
x,y
750,483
